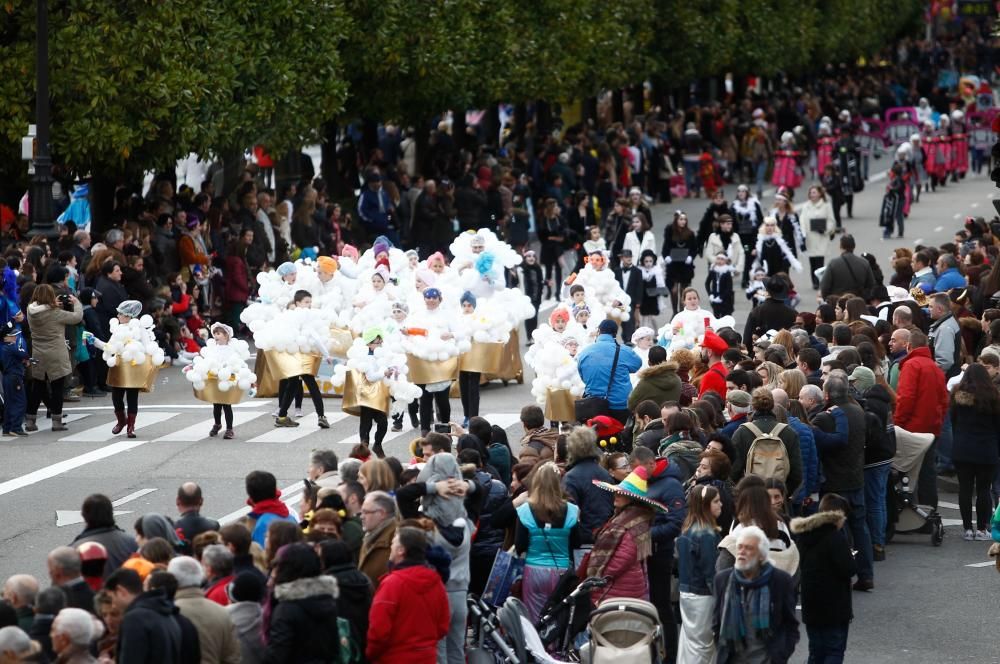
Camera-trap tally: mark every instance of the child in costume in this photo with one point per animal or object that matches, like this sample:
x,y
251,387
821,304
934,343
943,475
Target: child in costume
x,y
226,358
13,355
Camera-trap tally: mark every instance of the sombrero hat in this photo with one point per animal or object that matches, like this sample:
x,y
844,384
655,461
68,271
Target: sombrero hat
x,y
634,486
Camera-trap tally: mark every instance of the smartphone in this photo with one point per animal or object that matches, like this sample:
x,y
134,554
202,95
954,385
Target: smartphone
x,y
442,428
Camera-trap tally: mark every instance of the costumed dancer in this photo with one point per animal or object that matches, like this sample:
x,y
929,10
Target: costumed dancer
x,y
654,285
13,358
918,165
394,332
786,171
719,286
225,358
748,215
849,163
947,147
824,146
893,202
680,247
771,253
314,343
959,146
934,155
788,221
468,381
131,341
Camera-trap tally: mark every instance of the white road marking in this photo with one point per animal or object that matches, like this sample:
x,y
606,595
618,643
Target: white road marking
x,y
199,431
45,424
67,465
71,517
290,434
951,522
250,403
102,432
950,506
954,216
988,563
975,205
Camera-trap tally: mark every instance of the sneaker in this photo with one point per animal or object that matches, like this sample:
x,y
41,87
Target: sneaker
x,y
323,423
969,536
983,536
229,435
214,431
275,412
298,413
18,433
285,422
864,585
397,426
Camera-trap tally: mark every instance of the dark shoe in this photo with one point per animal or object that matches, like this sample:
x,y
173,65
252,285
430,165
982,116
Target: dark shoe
x,y
285,422
414,423
229,435
57,423
130,430
117,428
323,422
397,426
878,553
377,449
214,431
29,423
864,585
17,433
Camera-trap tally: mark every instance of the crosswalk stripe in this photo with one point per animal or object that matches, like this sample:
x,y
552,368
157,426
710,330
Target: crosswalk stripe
x,y
199,431
69,464
503,420
291,434
354,439
45,424
102,432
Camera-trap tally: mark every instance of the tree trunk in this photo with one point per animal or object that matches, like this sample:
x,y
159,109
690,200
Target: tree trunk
x,y
328,153
458,129
637,93
422,136
232,171
491,124
288,169
588,111
102,201
543,119
520,120
369,139
617,106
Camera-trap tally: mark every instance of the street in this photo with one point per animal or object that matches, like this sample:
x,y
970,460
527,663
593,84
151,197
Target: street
x,y
929,604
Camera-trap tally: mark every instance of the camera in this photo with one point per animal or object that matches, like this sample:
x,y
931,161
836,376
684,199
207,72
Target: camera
x,y
442,428
65,302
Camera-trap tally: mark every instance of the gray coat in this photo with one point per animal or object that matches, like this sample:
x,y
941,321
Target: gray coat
x,y
48,339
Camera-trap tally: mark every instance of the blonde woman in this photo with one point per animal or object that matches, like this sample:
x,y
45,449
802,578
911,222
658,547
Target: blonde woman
x,y
792,381
547,531
377,475
769,372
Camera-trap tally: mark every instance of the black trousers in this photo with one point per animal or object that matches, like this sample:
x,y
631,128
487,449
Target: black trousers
x,y
468,385
49,392
815,263
981,476
555,267
218,409
413,408
294,386
119,395
299,392
428,401
371,416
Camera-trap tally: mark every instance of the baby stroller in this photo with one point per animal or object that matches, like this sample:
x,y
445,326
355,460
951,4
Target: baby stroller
x,y
624,631
903,512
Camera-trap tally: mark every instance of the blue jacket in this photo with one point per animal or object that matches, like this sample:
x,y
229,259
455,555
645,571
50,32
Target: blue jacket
x,y
596,505
697,551
950,278
810,459
594,363
263,522
374,208
665,488
12,357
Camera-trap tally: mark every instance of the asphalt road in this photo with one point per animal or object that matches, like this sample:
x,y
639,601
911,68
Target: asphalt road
x,y
929,605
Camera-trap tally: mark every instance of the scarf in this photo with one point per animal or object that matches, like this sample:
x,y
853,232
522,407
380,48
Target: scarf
x,y
269,506
633,519
725,239
756,593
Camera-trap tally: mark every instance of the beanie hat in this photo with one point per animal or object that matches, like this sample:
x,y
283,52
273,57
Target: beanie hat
x,y
608,327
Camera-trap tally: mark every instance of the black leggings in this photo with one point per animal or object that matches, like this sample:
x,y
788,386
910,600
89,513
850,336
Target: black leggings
x,y
556,267
371,416
468,385
427,402
51,393
413,408
299,392
294,386
119,396
981,475
815,263
218,409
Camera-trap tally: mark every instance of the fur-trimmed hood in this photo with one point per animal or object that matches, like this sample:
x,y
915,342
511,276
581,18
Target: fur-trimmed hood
x,y
807,524
722,269
659,369
963,398
307,587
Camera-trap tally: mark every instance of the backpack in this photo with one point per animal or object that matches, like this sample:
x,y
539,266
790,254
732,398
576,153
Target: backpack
x,y
685,454
880,440
767,456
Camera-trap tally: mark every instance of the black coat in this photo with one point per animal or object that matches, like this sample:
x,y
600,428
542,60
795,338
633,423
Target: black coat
x,y
470,207
303,625
150,632
355,600
635,289
596,505
784,624
976,433
534,282
41,631
112,294
79,595
769,314
191,524
826,566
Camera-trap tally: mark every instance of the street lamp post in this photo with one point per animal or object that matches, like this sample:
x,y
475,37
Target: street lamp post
x,y
40,200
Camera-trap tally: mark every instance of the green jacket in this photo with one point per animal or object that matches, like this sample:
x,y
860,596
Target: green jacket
x,y
660,383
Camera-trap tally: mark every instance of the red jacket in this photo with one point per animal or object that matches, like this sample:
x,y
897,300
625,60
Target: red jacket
x,y
237,279
217,591
409,615
921,397
714,379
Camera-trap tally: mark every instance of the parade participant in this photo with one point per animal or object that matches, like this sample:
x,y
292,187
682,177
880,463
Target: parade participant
x,y
640,237
534,287
373,340
772,254
226,358
679,251
13,357
713,346
289,391
653,286
468,381
821,225
719,285
786,171
748,215
710,220
788,221
131,341
631,283
824,147
440,327
48,318
725,240
691,322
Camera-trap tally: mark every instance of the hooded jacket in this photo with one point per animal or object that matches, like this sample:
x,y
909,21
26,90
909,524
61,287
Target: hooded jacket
x,y
355,600
246,618
409,615
596,505
657,383
826,566
149,632
48,339
303,626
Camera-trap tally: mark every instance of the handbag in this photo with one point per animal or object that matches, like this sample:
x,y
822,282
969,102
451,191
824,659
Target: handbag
x,y
588,408
504,579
